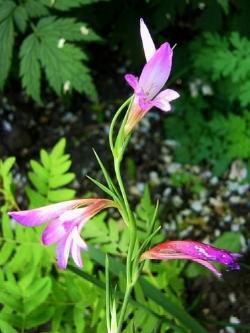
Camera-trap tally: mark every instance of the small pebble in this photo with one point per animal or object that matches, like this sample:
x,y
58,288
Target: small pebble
x,y
232,297
177,201
196,206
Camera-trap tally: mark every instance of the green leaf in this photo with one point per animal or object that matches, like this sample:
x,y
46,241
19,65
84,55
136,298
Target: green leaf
x,y
6,328
36,8
50,177
30,70
21,18
230,241
101,186
40,316
61,195
61,180
37,295
65,5
6,39
116,267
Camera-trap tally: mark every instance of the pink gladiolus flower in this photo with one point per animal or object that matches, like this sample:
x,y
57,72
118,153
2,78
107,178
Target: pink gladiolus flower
x,y
65,221
195,251
152,79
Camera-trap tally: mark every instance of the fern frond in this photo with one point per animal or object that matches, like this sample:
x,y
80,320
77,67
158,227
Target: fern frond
x,y
49,177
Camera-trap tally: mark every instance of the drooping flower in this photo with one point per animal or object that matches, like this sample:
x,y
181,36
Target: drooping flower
x,y
65,221
152,79
195,251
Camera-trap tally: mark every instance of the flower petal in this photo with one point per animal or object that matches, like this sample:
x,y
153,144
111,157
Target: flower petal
x,y
62,251
37,216
161,104
147,42
77,239
195,251
132,80
53,232
156,72
162,100
209,266
168,94
76,254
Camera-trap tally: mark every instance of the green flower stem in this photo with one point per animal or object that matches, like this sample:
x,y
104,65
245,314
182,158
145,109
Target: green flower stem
x,y
130,269
112,125
132,262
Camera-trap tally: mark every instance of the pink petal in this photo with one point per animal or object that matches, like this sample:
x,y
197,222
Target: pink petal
x,y
77,239
147,42
161,104
208,265
73,215
156,72
76,254
54,232
132,80
37,216
168,94
62,251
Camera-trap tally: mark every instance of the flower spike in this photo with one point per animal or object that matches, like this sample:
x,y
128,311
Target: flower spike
x,y
195,251
152,79
65,221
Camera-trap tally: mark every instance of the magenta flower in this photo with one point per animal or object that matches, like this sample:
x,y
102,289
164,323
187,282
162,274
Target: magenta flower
x,y
152,79
65,222
195,251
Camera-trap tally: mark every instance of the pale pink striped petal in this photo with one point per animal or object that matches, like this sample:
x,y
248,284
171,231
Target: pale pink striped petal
x,y
147,42
168,94
63,250
37,216
156,72
53,232
76,254
77,239
161,104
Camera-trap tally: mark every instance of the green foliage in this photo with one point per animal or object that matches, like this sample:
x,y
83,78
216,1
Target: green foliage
x,y
48,44
229,63
219,140
49,177
188,180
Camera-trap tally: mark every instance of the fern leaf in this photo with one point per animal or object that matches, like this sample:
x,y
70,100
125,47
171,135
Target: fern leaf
x,y
50,176
6,328
6,39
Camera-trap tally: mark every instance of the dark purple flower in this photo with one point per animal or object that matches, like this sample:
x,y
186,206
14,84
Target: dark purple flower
x,y
195,251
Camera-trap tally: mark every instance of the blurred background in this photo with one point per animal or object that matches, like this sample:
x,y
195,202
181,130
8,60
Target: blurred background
x,y
62,68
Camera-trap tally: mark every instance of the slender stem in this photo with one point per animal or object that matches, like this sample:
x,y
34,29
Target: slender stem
x,y
124,307
131,262
114,121
130,278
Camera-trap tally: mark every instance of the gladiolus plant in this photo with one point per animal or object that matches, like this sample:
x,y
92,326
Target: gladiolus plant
x,y
65,220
